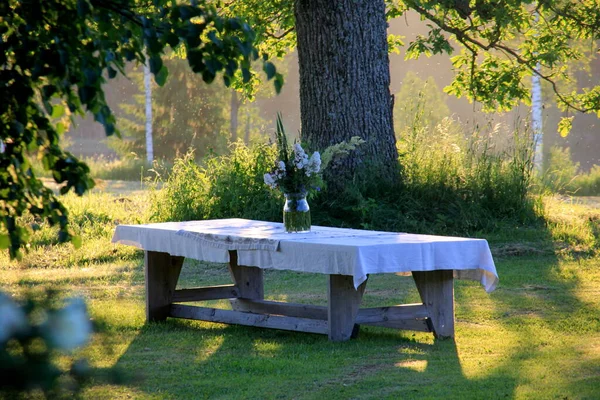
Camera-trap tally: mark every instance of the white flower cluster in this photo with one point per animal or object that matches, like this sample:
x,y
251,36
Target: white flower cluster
x,y
272,178
300,156
301,169
301,161
314,164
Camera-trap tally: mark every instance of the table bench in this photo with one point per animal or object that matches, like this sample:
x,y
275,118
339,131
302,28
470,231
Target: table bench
x,y
348,256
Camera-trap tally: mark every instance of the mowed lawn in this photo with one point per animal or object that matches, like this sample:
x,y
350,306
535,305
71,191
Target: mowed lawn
x,y
536,337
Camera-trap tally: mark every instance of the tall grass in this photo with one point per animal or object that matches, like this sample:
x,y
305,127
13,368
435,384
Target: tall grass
x,y
122,169
459,184
450,184
562,175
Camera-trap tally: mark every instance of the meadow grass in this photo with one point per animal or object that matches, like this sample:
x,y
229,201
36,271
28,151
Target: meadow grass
x,y
563,175
536,336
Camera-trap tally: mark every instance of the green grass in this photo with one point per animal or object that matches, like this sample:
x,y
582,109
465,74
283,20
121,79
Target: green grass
x,y
536,336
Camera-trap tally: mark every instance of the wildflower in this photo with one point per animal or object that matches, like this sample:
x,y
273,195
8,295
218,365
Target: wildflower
x,y
314,164
270,181
300,157
69,327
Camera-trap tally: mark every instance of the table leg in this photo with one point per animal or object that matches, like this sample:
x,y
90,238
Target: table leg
x,y
249,280
437,292
343,304
162,272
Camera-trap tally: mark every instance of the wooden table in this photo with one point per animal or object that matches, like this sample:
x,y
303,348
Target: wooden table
x,y
340,319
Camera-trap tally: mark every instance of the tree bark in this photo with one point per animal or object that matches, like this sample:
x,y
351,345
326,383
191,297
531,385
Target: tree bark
x,y
148,104
344,81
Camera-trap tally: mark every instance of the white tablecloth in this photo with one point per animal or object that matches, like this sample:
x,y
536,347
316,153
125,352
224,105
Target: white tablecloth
x,y
323,250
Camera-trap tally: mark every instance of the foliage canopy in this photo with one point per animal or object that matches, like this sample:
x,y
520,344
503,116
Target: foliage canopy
x,y
56,55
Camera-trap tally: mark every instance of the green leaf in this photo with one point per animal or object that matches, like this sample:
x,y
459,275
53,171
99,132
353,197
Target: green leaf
x,y
172,39
156,64
565,125
278,82
162,75
83,8
76,240
48,91
269,69
111,72
58,111
129,55
246,75
4,242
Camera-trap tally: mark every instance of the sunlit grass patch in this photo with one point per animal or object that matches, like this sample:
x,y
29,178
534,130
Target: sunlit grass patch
x,y
534,337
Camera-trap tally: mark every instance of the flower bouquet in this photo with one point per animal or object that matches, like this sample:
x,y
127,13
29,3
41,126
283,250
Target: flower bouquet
x,y
295,174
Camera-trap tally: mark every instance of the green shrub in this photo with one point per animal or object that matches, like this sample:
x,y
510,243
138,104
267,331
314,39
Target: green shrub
x,y
450,184
588,184
562,175
229,186
560,171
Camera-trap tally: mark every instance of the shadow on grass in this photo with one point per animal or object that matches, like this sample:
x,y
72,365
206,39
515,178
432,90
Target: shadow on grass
x,y
181,360
536,311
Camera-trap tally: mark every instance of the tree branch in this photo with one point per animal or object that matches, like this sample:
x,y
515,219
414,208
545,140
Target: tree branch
x,y
282,35
469,42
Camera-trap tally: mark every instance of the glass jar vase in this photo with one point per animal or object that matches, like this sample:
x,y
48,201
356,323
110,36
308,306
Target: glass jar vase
x,y
296,213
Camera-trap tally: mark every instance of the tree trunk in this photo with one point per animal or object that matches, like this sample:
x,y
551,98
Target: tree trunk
x,y
344,81
235,109
148,104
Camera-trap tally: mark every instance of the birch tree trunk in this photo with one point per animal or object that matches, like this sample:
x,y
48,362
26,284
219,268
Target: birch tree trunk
x,y
148,102
536,121
344,81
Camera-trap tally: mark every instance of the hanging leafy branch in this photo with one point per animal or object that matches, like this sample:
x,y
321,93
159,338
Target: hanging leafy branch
x,y
55,57
500,43
504,41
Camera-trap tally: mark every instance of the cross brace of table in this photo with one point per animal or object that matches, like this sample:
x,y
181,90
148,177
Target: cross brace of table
x,y
339,320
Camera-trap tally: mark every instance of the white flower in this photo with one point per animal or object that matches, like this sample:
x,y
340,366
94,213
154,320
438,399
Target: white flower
x,y
300,157
314,164
69,327
270,181
2,147
12,318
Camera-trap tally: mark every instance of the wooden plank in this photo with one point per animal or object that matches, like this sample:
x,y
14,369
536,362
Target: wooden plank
x,y
162,272
393,313
249,280
249,319
420,325
437,292
407,317
343,304
206,293
281,308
